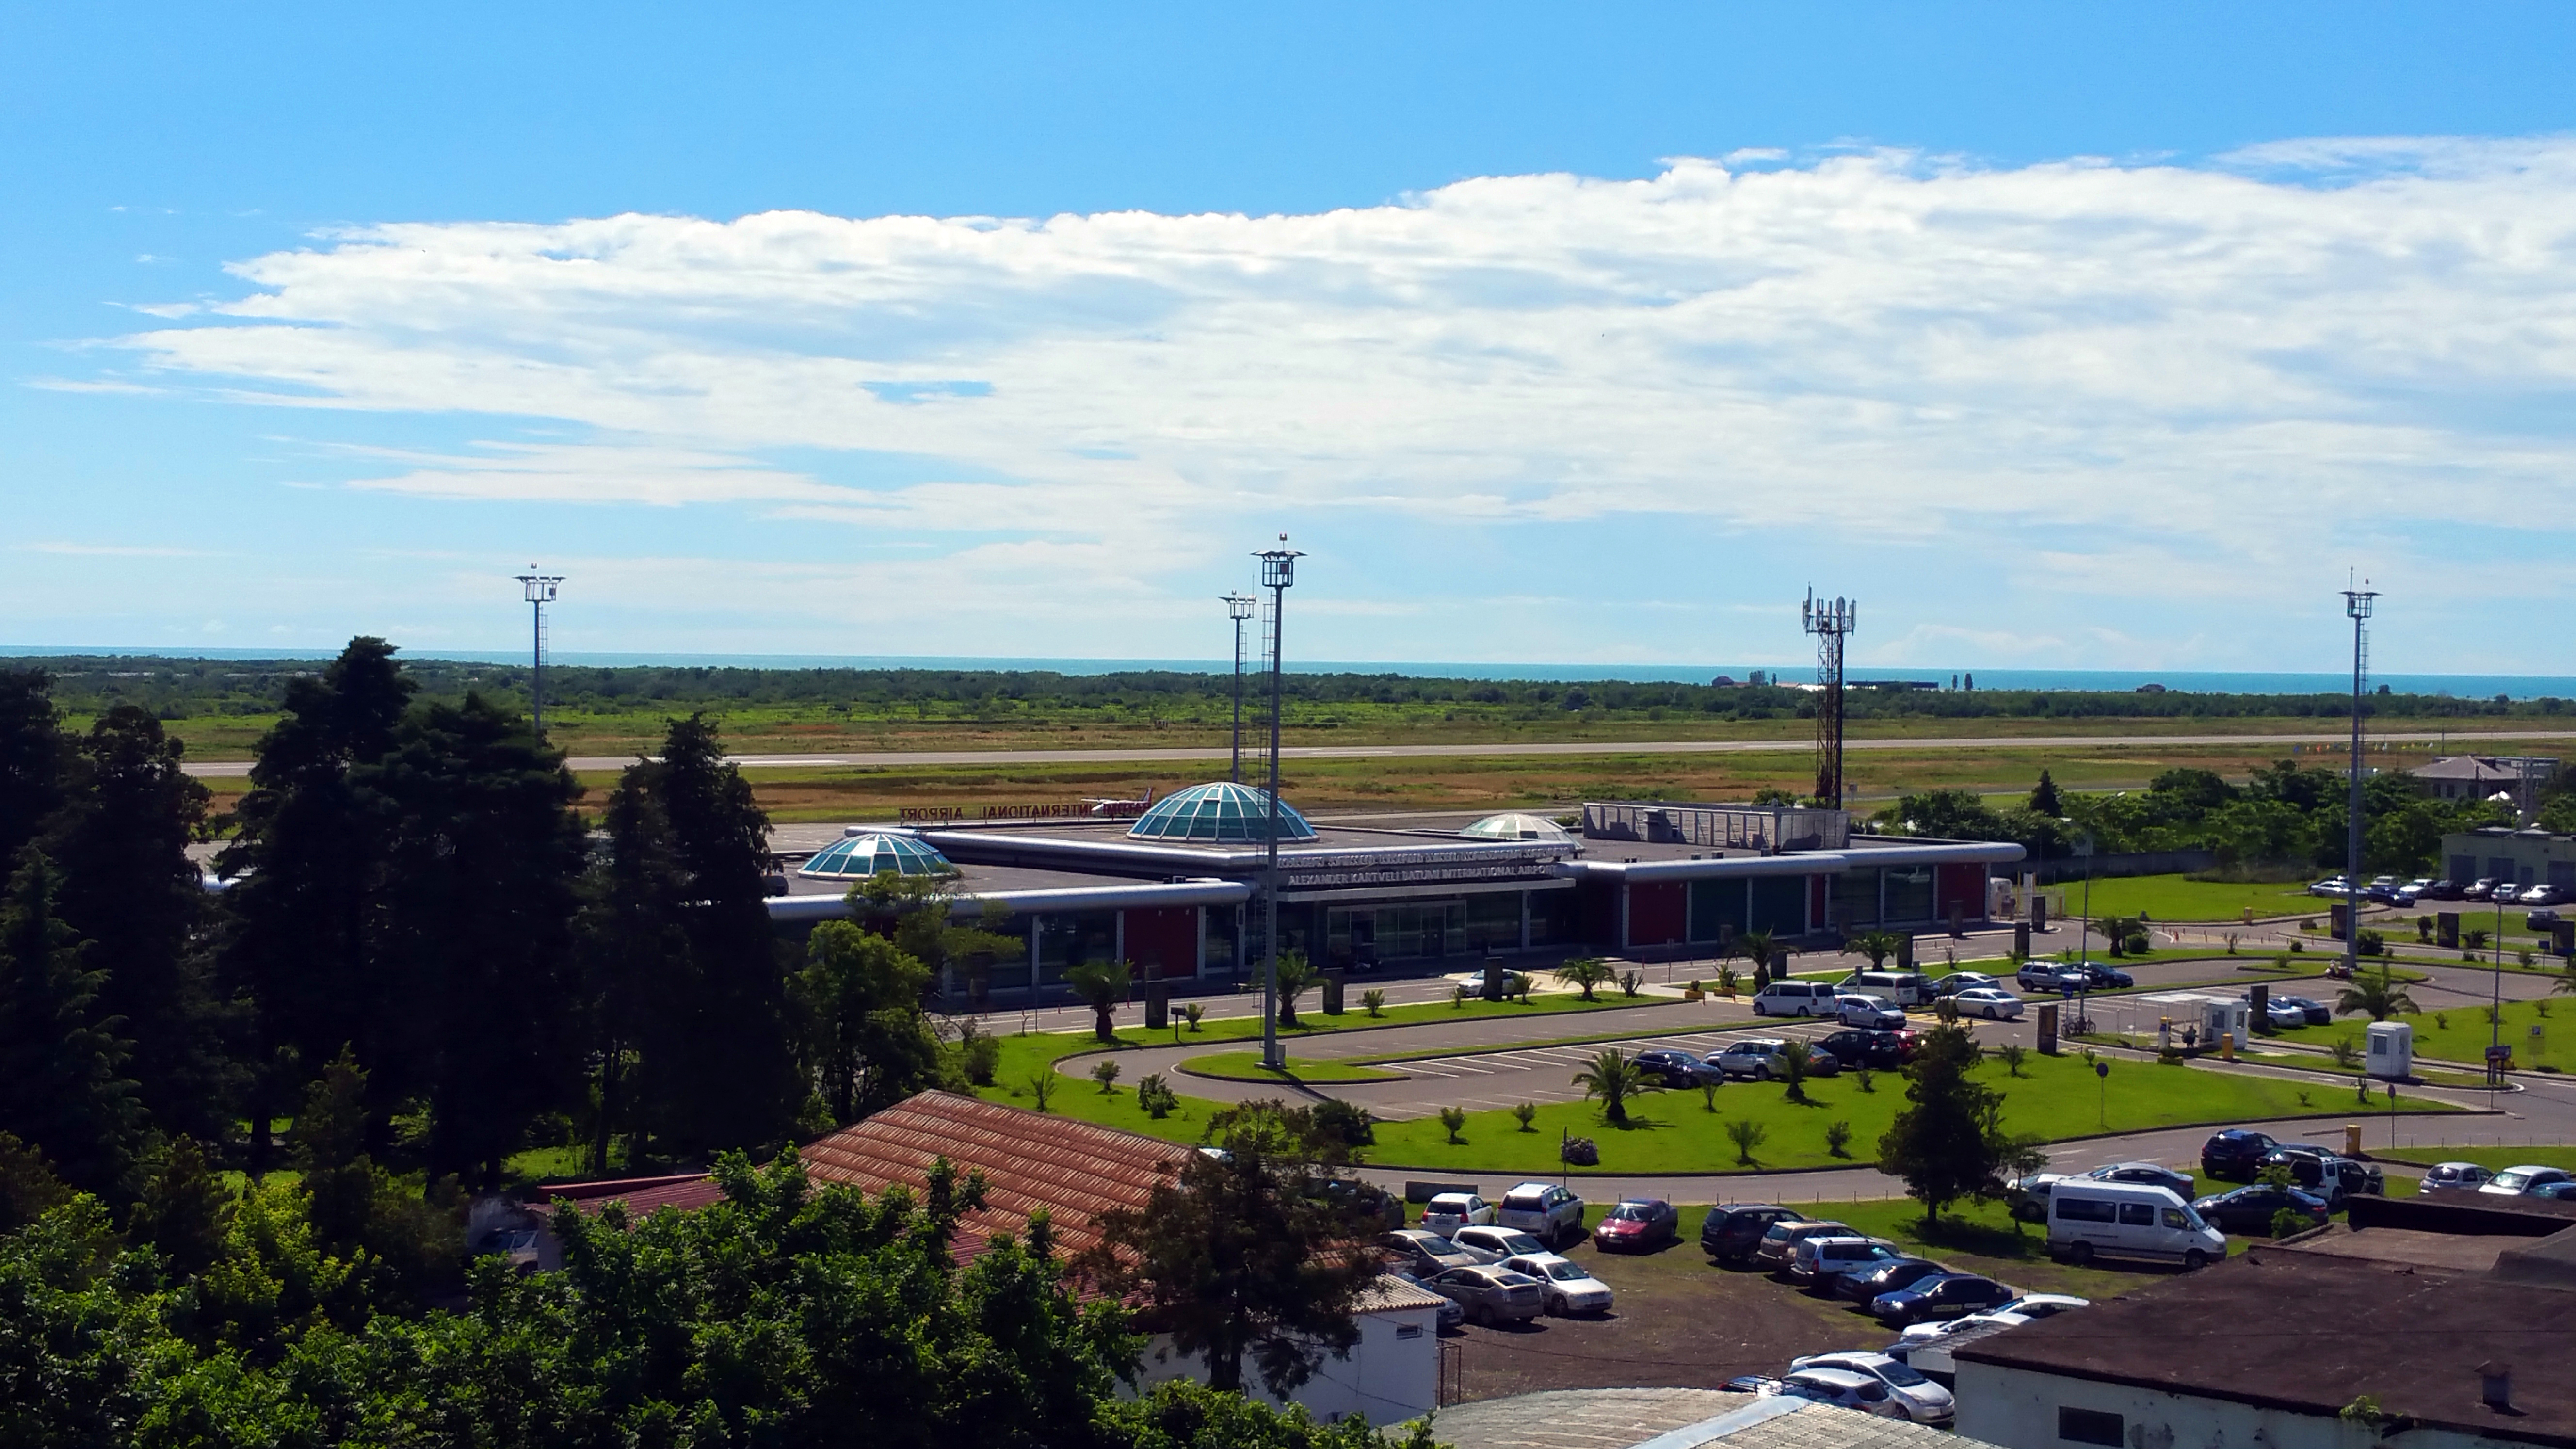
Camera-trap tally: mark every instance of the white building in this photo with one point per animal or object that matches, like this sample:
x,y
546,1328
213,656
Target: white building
x,y
1390,1375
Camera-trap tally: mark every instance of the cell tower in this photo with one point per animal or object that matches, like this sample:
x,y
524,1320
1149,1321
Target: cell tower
x,y
540,591
2358,605
1829,620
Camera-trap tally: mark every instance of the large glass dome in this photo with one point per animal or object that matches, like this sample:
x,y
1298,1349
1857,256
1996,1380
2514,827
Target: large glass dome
x,y
864,854
1221,810
1514,825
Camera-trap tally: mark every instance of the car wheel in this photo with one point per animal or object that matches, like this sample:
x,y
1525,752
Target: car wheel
x,y
1481,1316
1762,1072
2080,1254
2194,1261
1760,1010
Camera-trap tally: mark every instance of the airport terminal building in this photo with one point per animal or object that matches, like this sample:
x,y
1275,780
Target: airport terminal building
x,y
1176,890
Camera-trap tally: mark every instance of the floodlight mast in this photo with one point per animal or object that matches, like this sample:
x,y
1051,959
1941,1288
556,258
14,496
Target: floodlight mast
x,y
2356,607
1239,607
540,591
1278,574
1829,620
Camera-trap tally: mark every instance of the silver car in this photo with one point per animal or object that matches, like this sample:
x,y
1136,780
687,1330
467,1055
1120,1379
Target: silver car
x,y
1924,1401
2453,1177
1492,1244
1566,1287
1489,1294
1423,1253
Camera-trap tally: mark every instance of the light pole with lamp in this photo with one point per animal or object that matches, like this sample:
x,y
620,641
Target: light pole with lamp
x,y
1239,607
2083,844
1278,574
2356,606
540,591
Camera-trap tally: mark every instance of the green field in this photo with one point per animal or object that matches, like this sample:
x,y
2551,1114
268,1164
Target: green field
x,y
1247,1067
1672,1131
2174,898
2461,1034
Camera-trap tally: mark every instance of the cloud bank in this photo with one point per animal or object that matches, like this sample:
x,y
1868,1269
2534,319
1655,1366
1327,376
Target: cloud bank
x,y
2165,370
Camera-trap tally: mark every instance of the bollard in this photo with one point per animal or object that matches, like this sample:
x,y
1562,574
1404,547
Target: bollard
x,y
2352,1140
2227,1046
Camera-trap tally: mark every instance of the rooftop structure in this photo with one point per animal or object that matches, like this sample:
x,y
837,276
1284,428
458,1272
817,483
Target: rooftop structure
x,y
1220,810
861,855
1676,1418
1515,825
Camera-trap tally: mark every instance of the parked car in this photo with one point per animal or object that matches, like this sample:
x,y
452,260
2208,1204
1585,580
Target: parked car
x,y
1941,1295
2444,1177
2479,889
1731,1231
1783,1238
2118,1219
2316,1012
2331,886
2252,1209
2443,890
1845,1389
2098,977
1795,998
1565,1287
1958,981
1492,1244
1863,1285
2382,888
1991,1002
1925,1402
2235,1153
1543,1210
2554,1191
1905,988
2544,920
1636,1224
2151,1173
1449,1315
1679,1069
2514,1181
2281,1015
2545,894
2330,1175
2051,976
2413,891
1880,1051
1875,1013
1818,1263
2026,1198
1423,1253
1491,1294
1449,1211
1759,1058
2027,1307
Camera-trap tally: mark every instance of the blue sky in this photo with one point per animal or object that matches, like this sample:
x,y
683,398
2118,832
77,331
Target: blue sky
x,y
2080,337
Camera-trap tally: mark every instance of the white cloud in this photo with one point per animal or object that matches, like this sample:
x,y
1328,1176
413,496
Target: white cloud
x,y
2175,366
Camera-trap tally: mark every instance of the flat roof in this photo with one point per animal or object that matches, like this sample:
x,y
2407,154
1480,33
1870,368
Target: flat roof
x,y
2308,1332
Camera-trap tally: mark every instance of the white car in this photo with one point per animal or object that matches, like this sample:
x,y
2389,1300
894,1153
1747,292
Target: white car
x,y
1566,1287
2515,1181
1845,1389
1991,1002
1492,1244
2544,894
1925,1401
2024,1309
1543,1210
1873,1013
2444,1177
1449,1211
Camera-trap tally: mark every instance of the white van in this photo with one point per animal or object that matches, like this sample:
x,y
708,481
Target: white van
x,y
2129,1220
1905,988
1797,998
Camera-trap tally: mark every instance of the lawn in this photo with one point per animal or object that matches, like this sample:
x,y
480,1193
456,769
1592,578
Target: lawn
x,y
1247,1067
2174,898
2461,1034
1673,1131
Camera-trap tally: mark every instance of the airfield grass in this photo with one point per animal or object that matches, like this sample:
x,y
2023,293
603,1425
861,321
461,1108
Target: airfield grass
x,y
2177,898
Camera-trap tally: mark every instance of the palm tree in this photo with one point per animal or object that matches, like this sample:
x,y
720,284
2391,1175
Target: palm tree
x,y
2376,994
1876,945
1585,972
1612,1078
1795,1058
2566,982
1755,946
1103,984
1294,977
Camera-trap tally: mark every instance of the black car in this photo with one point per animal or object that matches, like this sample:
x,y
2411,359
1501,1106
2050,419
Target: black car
x,y
1943,1295
1888,1277
2319,1014
1680,1069
2104,978
1880,1051
1731,1231
2440,890
2251,1209
2235,1153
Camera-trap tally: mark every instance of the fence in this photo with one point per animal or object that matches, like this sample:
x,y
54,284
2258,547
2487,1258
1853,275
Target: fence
x,y
1720,827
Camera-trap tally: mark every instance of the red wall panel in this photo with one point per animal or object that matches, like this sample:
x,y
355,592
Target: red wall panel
x,y
1163,942
1657,912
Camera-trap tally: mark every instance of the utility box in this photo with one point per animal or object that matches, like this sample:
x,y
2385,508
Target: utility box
x,y
1905,951
1158,1005
2392,1051
1333,993
2446,930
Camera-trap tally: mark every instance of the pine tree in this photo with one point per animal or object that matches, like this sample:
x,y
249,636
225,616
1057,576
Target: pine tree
x,y
32,758
62,1083
1949,1144
2043,797
185,1213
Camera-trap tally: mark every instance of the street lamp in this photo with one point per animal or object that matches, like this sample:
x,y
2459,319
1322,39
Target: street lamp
x,y
1239,607
1278,574
540,591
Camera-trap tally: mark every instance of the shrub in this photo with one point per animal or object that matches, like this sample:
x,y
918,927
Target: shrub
x,y
2012,1055
1708,1096
1042,1084
2169,1057
1865,1079
2423,928
1629,981
1374,1000
2542,1007
2288,1221
1106,1074
1191,1013
1580,1152
2442,1020
1159,1100
1747,1135
1524,1114
1838,1139
2475,938
1347,1122
2281,960
979,1053
2138,944
2231,943
1946,1011
1454,1120
2298,945
1457,997
2342,1050
2522,958
2371,943
1726,980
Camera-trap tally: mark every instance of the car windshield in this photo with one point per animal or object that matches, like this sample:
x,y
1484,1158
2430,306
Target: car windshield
x,y
1564,1272
1629,1212
1518,1242
2511,1177
1514,1280
1898,1374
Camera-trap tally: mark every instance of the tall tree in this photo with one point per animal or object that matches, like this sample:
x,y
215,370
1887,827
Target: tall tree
x,y
121,841
32,752
306,861
1250,1254
1949,1144
868,1044
2043,796
62,1084
630,947
471,935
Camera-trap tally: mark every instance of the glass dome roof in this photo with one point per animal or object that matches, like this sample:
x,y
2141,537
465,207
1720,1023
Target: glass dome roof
x,y
1514,825
1220,810
863,854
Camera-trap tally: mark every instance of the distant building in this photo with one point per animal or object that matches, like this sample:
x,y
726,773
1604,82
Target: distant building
x,y
2423,1323
1677,1419
2524,857
2480,777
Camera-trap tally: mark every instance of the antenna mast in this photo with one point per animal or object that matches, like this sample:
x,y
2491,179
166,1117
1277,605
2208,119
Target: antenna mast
x,y
1829,620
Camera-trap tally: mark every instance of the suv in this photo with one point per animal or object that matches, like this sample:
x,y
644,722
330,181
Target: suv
x,y
2328,1174
2050,976
1449,1211
1772,1253
1795,998
1883,1051
1494,1244
1759,1058
1731,1231
1423,1253
1543,1210
1818,1264
2235,1153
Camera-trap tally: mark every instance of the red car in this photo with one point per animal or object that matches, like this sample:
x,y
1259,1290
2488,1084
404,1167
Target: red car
x,y
1636,1224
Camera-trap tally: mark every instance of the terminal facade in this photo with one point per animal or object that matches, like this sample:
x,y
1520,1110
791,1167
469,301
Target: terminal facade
x,y
1176,890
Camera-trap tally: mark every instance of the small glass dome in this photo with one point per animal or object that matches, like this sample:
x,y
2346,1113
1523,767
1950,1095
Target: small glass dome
x,y
1221,810
1513,825
863,854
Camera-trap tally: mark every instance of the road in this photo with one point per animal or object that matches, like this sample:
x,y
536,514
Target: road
x,y
899,759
